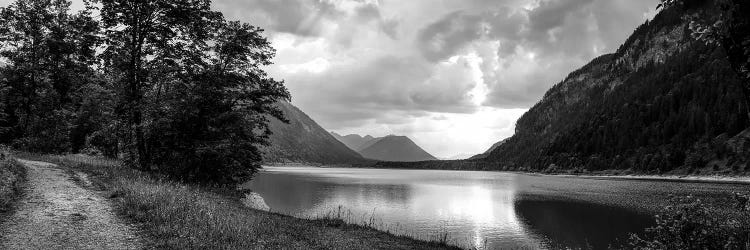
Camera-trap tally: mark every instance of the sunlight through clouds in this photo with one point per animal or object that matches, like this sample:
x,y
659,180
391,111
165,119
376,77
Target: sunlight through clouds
x,y
454,76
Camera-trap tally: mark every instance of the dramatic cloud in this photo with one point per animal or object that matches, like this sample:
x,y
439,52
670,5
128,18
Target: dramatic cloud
x,y
454,75
527,49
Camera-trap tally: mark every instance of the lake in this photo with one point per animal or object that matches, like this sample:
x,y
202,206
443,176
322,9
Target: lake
x,y
486,210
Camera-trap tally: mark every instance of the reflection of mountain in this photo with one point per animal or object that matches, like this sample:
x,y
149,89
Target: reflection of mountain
x,y
403,202
315,196
567,224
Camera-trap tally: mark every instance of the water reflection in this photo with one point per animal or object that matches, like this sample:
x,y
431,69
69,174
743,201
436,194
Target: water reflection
x,y
476,209
580,225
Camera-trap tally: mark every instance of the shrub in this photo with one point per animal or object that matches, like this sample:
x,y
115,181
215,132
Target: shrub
x,y
12,177
692,224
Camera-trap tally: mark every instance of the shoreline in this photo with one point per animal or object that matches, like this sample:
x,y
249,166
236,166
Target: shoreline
x,y
719,179
219,218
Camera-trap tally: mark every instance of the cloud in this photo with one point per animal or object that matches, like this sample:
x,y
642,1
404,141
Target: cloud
x,y
305,18
377,88
528,48
454,75
433,70
444,38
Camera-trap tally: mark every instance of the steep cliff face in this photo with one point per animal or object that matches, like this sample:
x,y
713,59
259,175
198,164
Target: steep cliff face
x,y
662,102
304,141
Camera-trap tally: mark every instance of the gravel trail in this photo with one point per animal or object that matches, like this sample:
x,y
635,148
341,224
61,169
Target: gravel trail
x,y
55,213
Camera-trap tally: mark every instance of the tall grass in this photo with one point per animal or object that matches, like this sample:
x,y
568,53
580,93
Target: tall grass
x,y
185,216
342,216
12,178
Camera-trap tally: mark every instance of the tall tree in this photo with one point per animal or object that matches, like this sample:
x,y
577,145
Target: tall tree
x,y
144,40
191,90
209,125
47,53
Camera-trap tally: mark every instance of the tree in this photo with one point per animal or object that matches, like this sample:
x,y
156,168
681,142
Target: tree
x,y
168,84
728,25
192,96
47,54
209,127
145,40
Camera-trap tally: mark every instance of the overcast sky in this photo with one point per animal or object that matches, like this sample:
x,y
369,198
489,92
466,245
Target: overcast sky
x,y
453,75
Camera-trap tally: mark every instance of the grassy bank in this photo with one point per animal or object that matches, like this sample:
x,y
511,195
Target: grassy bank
x,y
12,178
182,216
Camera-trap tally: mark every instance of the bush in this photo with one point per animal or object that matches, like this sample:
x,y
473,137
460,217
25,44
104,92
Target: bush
x,y
692,224
12,177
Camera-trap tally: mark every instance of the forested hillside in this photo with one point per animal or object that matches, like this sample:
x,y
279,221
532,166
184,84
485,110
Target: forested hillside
x,y
302,140
662,102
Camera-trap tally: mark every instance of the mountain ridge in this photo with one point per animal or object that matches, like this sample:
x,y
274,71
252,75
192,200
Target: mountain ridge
x,y
662,103
394,148
353,141
304,141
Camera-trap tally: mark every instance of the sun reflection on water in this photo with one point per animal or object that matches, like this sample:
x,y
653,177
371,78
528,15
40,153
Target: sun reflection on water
x,y
474,211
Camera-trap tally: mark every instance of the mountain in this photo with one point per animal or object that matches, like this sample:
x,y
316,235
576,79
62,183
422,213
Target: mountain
x,y
396,149
355,142
304,141
662,102
368,144
486,153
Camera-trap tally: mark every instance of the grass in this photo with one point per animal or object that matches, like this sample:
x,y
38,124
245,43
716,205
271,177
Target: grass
x,y
176,215
12,179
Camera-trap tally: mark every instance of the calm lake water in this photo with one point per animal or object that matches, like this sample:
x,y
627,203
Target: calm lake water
x,y
477,209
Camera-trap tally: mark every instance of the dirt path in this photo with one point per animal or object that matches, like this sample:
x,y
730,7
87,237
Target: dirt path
x,y
58,214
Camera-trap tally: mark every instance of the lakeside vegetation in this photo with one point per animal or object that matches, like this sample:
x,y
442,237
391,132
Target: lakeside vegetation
x,y
177,215
694,224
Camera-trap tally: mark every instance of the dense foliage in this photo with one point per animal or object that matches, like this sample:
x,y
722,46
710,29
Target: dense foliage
x,y
728,27
12,179
168,85
662,102
692,224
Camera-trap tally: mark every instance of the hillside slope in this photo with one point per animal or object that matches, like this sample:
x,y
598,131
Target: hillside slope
x,y
396,149
353,141
304,141
662,103
486,153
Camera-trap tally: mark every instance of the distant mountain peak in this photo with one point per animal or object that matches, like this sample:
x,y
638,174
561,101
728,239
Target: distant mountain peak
x,y
387,148
395,148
